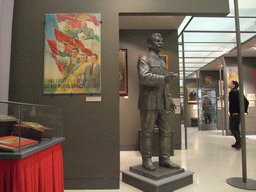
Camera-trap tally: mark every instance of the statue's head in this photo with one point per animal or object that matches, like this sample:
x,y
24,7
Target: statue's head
x,y
155,42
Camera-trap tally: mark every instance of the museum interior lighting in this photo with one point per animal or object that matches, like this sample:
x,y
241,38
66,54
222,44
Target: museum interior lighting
x,y
206,39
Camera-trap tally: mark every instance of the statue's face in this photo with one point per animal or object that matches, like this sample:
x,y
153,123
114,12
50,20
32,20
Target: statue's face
x,y
157,44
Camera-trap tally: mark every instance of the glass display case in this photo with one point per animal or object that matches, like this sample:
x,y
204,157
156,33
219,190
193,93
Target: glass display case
x,y
207,112
24,126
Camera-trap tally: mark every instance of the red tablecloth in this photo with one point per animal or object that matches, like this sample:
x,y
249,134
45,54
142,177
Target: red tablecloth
x,y
40,172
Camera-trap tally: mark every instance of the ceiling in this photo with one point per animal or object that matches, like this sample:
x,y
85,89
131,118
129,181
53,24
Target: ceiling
x,y
205,39
248,50
150,22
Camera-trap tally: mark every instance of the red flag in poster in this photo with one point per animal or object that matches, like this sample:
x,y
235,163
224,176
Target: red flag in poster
x,y
72,19
64,17
70,42
63,37
76,19
93,19
66,39
80,46
53,46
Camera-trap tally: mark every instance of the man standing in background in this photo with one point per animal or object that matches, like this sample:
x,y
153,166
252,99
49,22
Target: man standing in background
x,y
234,110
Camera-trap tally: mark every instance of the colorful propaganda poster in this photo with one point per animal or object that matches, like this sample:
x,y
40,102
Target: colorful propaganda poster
x,y
72,56
232,74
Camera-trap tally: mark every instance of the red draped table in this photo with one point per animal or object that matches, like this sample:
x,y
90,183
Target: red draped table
x,y
39,172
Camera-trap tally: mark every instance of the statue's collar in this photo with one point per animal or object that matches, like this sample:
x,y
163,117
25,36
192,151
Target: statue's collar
x,y
154,54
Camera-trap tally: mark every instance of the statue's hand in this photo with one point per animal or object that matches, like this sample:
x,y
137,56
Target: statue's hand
x,y
173,75
169,76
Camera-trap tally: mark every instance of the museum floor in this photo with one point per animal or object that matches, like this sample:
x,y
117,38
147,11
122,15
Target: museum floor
x,y
209,155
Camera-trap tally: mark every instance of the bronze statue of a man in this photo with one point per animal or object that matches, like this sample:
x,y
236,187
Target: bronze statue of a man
x,y
155,104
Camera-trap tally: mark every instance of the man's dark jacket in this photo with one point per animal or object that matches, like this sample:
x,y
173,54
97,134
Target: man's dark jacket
x,y
234,102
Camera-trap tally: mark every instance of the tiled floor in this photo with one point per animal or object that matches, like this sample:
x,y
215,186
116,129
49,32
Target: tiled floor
x,y
209,155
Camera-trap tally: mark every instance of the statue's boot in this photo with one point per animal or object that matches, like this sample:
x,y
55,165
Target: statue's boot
x,y
164,153
147,164
145,149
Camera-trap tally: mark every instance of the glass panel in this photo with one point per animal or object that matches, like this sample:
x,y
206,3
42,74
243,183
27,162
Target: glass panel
x,y
208,46
184,23
189,69
193,65
222,23
186,73
195,60
202,54
247,24
207,106
244,12
209,37
201,48
216,54
246,36
211,24
180,39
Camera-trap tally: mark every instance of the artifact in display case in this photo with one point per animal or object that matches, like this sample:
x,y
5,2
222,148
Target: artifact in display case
x,y
32,130
24,125
11,143
207,109
5,118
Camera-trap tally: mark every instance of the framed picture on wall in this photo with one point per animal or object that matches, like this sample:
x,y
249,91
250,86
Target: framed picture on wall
x,y
123,73
232,74
165,58
72,54
192,95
